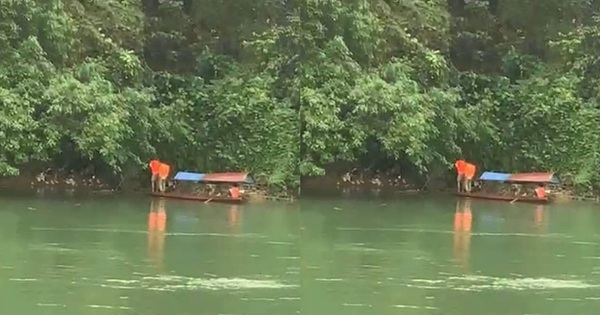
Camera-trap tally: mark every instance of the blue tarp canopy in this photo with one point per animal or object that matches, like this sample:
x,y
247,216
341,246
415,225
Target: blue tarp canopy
x,y
190,177
494,177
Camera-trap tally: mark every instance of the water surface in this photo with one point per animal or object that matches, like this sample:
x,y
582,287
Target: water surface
x,y
443,256
134,256
418,255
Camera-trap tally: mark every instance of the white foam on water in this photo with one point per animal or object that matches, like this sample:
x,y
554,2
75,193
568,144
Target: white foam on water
x,y
480,283
162,289
280,243
426,287
516,275
100,306
536,284
470,278
66,266
586,243
258,299
120,287
23,279
50,305
123,281
427,281
356,305
564,299
109,307
174,283
329,279
416,307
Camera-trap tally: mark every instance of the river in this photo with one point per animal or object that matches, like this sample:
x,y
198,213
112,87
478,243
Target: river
x,y
417,255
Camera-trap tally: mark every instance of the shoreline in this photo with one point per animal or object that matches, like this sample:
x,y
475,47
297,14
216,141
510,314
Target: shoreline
x,y
328,185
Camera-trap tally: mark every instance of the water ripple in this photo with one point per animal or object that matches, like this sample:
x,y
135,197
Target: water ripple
x,y
556,235
142,232
480,283
176,283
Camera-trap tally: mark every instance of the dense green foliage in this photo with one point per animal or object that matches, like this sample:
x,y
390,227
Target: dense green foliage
x,y
509,85
109,84
288,87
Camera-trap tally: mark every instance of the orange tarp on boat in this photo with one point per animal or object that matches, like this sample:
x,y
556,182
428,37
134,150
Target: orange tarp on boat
x,y
541,178
227,178
215,177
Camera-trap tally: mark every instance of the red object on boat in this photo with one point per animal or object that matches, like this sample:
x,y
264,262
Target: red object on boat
x,y
227,178
537,178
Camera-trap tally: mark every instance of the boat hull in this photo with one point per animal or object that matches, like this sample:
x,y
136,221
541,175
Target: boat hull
x,y
199,198
504,198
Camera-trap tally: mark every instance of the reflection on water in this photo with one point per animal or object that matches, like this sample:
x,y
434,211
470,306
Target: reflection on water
x,y
233,217
335,257
463,219
495,258
133,256
157,223
539,220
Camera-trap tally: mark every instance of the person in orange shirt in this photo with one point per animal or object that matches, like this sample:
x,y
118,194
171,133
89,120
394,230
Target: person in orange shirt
x,y
470,170
540,191
234,191
460,170
154,169
163,173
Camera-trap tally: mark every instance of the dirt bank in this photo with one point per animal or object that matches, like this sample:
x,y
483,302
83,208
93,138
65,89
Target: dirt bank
x,y
50,180
360,182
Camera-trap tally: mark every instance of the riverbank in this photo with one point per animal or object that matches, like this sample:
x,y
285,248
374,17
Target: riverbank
x,y
55,183
344,185
388,186
60,183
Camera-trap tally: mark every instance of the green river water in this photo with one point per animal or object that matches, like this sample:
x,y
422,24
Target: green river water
x,y
421,255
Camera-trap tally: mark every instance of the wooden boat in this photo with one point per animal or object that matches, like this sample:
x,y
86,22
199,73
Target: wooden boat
x,y
504,198
520,178
199,198
214,178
